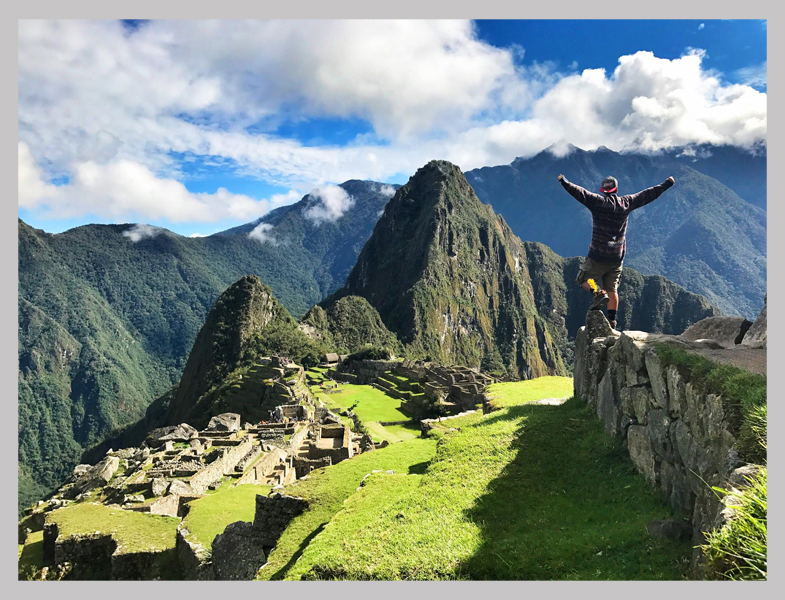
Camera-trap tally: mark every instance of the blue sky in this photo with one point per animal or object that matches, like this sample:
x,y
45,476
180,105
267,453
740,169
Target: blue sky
x,y
148,123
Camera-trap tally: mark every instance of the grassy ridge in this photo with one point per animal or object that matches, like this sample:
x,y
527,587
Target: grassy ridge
x,y
526,492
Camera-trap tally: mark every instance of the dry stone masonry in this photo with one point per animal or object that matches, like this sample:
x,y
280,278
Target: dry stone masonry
x,y
677,436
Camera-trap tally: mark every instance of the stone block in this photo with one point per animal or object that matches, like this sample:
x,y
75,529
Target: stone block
x,y
659,425
608,410
656,373
641,452
676,392
642,402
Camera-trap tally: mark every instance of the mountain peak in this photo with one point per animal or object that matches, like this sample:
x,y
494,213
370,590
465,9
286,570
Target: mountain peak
x,y
449,278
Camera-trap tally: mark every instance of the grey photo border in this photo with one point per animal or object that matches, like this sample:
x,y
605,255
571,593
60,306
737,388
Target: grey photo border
x,y
503,9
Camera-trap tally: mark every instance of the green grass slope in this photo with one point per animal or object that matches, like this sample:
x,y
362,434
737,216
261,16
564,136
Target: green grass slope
x,y
526,492
326,490
209,515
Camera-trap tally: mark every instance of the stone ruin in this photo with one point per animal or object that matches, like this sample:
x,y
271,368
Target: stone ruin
x,y
426,386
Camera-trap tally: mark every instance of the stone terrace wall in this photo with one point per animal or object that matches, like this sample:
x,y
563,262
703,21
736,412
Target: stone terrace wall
x,y
368,370
677,436
273,514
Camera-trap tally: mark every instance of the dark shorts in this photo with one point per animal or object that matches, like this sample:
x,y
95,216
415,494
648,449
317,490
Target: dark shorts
x,y
606,275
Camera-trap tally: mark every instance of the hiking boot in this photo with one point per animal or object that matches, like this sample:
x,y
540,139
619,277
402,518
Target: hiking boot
x,y
600,300
613,325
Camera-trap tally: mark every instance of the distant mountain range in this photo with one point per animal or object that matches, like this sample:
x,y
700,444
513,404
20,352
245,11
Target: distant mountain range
x,y
109,313
700,233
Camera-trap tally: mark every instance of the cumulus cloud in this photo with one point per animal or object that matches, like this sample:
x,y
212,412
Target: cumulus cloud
x,y
125,189
32,187
109,110
141,231
197,235
263,233
330,204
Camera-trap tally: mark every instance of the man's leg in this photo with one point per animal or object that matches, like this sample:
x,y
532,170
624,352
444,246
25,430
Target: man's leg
x,y
613,300
611,282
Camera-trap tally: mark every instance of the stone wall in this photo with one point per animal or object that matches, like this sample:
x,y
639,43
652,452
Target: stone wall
x,y
273,514
220,467
263,467
303,466
367,371
194,557
677,436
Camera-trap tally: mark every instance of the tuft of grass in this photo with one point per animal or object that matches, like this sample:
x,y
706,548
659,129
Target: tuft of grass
x,y
326,490
525,492
209,515
738,549
133,531
743,394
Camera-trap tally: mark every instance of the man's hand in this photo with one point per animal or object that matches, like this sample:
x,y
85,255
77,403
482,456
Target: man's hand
x,y
561,176
671,179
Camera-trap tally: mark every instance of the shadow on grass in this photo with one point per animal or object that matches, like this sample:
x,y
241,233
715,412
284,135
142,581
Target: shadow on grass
x,y
280,573
569,506
419,468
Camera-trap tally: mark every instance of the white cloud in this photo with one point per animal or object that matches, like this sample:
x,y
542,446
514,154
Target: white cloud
x,y
197,235
330,204
263,233
125,190
141,231
386,190
755,75
32,187
114,111
701,26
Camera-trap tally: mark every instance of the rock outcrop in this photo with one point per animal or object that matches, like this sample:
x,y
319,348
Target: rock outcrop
x,y
727,331
756,335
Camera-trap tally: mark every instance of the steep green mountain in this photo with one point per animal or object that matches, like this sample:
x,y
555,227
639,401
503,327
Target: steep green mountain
x,y
449,277
245,322
109,313
326,245
347,325
699,234
646,302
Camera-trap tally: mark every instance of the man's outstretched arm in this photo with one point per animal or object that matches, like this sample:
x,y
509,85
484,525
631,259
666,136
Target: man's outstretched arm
x,y
582,195
643,197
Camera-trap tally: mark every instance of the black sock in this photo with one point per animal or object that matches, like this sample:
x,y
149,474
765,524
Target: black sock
x,y
611,315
